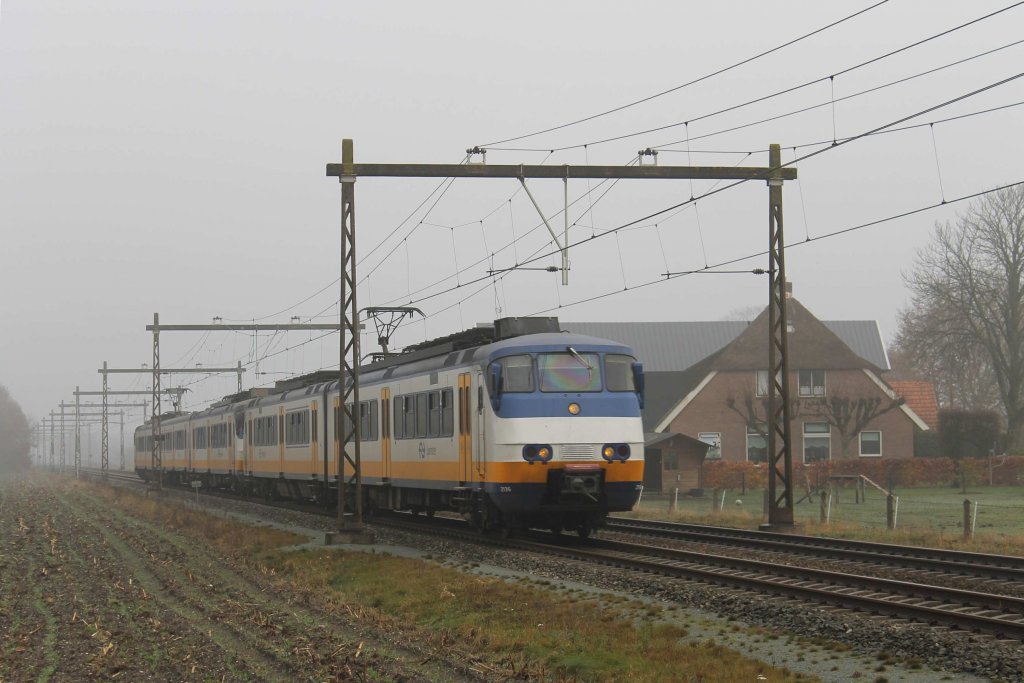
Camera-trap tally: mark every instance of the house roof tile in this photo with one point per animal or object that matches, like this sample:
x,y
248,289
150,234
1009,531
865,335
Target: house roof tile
x,y
920,397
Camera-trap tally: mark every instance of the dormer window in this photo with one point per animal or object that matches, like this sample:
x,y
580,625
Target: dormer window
x,y
812,382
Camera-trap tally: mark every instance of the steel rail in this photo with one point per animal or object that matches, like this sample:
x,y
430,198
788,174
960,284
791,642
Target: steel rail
x,y
1002,567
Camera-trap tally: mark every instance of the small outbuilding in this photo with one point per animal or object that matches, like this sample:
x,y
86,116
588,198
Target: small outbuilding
x,y
673,461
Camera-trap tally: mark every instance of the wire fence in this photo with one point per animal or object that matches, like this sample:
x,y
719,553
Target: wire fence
x,y
950,511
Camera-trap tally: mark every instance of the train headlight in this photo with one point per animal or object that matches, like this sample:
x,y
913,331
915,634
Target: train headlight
x,y
537,453
574,408
616,451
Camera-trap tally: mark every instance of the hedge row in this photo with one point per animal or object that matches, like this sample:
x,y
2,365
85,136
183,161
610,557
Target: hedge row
x,y
1005,471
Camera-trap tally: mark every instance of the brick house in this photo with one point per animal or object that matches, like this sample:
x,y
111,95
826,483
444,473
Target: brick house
x,y
841,406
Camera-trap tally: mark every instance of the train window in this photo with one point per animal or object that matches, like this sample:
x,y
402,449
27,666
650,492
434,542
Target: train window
x,y
219,436
373,432
397,416
618,372
569,372
199,437
421,415
368,420
409,417
517,373
297,428
434,421
447,413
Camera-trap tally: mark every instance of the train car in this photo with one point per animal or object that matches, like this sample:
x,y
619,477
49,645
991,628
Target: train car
x,y
512,429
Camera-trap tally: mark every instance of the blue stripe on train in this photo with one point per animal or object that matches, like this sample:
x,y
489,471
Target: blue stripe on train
x,y
597,404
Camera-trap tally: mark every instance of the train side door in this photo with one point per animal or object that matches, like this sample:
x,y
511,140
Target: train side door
x,y
465,428
248,448
280,439
385,433
314,440
479,450
336,460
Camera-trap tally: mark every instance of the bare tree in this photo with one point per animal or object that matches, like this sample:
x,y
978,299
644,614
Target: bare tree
x,y
962,374
850,415
848,412
968,295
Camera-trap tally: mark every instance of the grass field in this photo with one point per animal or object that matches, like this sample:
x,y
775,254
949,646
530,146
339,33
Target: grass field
x,y
925,516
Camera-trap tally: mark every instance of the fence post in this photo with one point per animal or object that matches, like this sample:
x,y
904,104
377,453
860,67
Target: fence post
x,y
890,511
714,500
968,531
673,503
764,511
824,503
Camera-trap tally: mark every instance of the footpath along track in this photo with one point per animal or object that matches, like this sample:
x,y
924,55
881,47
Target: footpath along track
x,y
950,562
935,605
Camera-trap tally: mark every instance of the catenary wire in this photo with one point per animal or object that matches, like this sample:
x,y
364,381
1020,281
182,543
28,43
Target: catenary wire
x,y
689,83
775,94
710,269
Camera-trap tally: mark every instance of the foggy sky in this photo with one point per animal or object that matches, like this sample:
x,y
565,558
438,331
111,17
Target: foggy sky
x,y
169,157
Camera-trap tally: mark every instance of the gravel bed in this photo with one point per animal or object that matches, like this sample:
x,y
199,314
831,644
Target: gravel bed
x,y
937,649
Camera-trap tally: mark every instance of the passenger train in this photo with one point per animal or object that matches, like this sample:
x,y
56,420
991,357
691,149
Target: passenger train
x,y
511,427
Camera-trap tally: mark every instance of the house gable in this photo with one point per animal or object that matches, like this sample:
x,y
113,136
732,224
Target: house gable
x,y
811,345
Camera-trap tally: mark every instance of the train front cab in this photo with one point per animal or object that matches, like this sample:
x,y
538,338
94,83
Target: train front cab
x,y
564,439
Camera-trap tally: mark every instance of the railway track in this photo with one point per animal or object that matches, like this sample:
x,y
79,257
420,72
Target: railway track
x,y
996,615
978,565
973,611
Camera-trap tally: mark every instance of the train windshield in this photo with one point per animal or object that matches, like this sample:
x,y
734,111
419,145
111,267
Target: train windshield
x,y
571,371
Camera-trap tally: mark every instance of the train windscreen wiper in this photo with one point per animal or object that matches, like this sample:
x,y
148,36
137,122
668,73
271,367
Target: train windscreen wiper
x,y
582,360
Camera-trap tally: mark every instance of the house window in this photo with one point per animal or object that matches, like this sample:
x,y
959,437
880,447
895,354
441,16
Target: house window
x,y
817,442
812,382
871,444
671,461
761,383
714,439
757,444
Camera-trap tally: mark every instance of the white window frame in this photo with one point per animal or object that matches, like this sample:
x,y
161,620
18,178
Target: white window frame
x,y
860,443
746,452
761,383
816,435
812,386
713,439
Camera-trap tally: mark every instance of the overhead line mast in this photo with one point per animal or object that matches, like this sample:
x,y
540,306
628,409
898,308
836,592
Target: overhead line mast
x,y
780,508
156,371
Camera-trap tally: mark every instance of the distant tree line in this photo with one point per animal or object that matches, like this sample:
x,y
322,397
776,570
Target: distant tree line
x,y
15,434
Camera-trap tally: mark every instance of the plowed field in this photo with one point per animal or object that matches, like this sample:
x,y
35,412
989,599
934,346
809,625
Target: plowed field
x,y
91,591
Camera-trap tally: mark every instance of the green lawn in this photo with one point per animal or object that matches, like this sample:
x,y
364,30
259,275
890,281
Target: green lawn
x,y
1000,510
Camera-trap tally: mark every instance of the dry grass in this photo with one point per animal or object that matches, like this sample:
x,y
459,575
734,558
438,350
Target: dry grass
x,y
525,628
226,534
